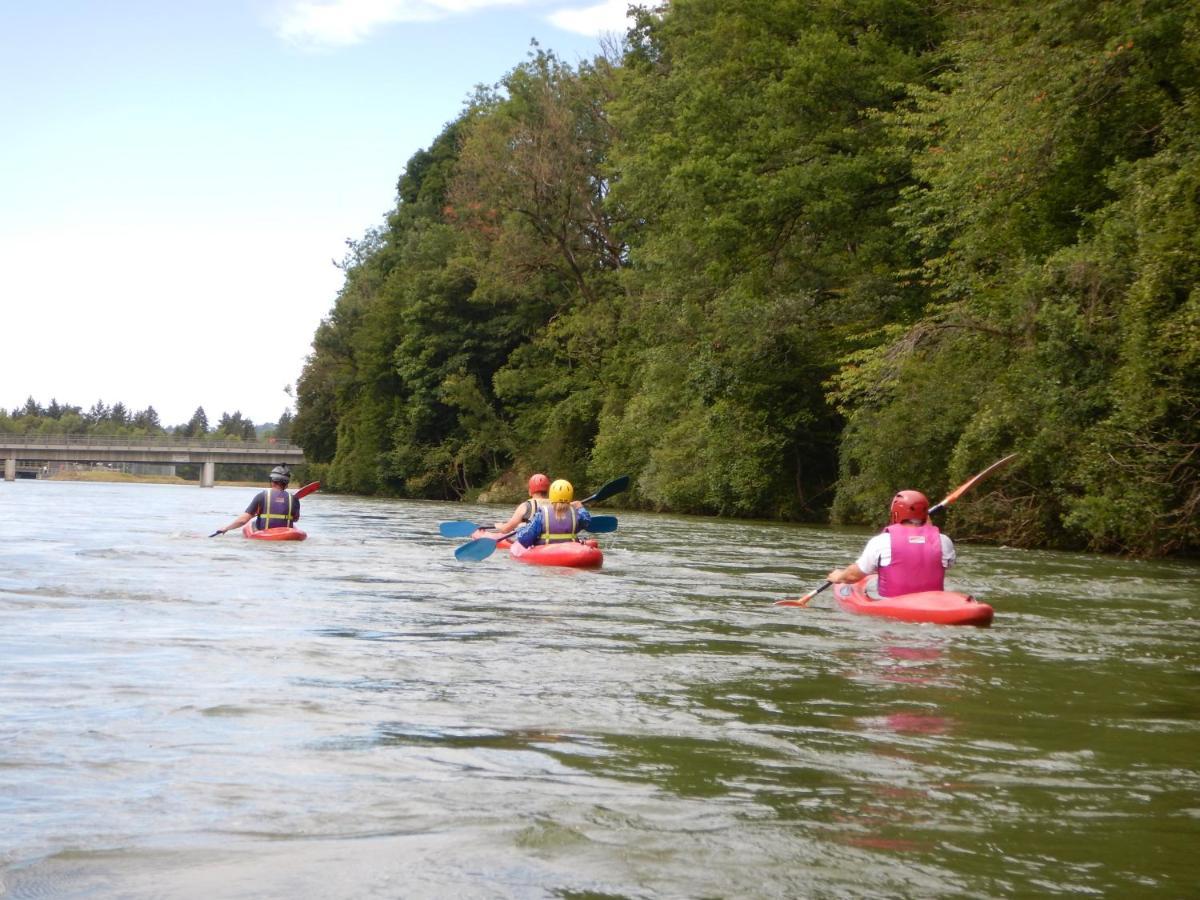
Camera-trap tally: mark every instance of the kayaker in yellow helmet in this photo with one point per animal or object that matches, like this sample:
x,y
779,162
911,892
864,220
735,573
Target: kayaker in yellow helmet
x,y
539,486
911,555
559,520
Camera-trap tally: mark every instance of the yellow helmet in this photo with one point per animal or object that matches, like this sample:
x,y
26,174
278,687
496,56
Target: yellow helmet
x,y
561,492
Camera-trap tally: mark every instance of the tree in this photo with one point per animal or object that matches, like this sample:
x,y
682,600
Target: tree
x,y
197,426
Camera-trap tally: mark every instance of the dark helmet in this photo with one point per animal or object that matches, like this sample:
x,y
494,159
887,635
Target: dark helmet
x,y
910,505
281,475
539,484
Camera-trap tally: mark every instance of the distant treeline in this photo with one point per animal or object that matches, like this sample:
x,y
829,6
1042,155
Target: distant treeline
x,y
780,259
119,420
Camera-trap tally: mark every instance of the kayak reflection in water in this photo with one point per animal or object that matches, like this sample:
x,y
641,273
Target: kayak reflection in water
x,y
911,555
559,520
274,507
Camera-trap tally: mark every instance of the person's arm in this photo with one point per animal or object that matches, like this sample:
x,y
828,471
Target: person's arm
x,y
528,534
949,554
514,521
583,518
251,511
849,574
866,564
236,523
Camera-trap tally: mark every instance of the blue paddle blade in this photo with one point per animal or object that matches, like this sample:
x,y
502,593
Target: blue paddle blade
x,y
613,487
458,529
474,551
602,524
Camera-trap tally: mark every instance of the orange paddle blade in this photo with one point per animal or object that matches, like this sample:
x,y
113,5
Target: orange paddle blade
x,y
966,486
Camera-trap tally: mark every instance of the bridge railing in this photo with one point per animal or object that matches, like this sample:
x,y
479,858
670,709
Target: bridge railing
x,y
85,440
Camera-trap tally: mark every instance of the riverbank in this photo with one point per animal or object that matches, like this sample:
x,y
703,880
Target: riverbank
x,y
125,477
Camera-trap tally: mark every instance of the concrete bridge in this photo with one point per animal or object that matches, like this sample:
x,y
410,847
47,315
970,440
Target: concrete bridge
x,y
27,449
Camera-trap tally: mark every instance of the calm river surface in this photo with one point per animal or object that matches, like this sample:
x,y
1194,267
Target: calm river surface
x,y
360,715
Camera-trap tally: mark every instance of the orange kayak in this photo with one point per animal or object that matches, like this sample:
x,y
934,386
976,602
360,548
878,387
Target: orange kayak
x,y
273,534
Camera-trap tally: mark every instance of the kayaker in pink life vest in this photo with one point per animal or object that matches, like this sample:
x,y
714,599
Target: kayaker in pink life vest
x,y
539,485
911,555
274,507
559,520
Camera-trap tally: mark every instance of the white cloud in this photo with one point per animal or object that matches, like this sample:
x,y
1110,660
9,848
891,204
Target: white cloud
x,y
600,18
339,23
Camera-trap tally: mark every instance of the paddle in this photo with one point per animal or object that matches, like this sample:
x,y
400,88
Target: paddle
x,y
308,489
482,548
303,492
946,501
463,528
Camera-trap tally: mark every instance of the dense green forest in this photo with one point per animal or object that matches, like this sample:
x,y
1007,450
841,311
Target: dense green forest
x,y
780,259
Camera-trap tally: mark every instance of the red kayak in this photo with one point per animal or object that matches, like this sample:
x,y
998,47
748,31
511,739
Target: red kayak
x,y
273,534
576,554
939,607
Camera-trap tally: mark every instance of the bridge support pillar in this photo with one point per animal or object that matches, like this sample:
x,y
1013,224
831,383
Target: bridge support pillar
x,y
10,469
207,474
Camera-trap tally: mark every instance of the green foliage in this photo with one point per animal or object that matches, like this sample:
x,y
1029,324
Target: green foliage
x,y
782,259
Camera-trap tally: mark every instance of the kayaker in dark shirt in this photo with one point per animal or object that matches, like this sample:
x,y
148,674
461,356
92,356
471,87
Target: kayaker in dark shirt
x,y
911,555
561,519
272,508
539,484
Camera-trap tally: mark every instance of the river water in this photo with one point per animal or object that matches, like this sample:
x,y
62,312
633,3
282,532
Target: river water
x,y
361,715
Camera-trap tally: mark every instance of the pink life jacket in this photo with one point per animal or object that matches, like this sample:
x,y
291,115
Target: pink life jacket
x,y
916,561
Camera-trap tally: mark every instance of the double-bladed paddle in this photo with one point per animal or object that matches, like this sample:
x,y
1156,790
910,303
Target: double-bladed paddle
x,y
463,528
482,548
946,501
302,492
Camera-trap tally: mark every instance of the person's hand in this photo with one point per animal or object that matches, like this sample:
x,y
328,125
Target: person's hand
x,y
836,576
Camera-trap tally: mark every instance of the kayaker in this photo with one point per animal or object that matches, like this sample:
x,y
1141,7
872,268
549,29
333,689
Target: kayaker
x,y
539,485
274,507
911,555
561,519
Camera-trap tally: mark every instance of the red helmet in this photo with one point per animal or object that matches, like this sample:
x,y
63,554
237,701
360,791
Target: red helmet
x,y
539,484
910,505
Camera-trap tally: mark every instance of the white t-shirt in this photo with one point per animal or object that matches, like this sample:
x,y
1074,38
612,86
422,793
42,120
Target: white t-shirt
x,y
878,552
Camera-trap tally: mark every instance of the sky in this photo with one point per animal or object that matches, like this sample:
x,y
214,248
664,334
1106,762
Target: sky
x,y
178,180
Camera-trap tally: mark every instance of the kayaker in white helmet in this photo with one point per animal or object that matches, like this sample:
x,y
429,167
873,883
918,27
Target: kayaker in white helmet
x,y
911,555
274,507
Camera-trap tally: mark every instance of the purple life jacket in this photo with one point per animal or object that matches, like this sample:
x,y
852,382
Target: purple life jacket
x,y
277,510
916,561
559,523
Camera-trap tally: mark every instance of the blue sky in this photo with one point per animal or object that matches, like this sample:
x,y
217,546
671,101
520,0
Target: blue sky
x,y
176,179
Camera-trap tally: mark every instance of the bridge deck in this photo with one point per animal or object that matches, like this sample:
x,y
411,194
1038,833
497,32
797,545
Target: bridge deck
x,y
86,448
